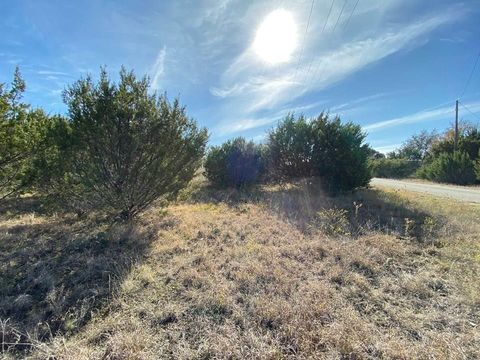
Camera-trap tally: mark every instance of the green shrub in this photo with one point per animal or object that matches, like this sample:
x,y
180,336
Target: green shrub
x,y
22,138
125,148
339,156
393,168
290,147
477,167
235,163
450,168
320,147
47,166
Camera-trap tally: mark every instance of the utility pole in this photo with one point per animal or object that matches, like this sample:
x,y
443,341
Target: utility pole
x,y
455,143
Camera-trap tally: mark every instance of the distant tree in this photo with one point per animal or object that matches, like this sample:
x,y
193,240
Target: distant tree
x,y
290,146
393,168
455,168
235,163
468,141
374,154
126,148
417,147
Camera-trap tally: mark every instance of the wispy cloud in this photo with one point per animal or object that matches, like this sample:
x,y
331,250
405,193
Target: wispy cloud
x,y
213,12
387,148
52,73
437,113
340,62
260,138
247,85
235,126
158,68
353,104
243,124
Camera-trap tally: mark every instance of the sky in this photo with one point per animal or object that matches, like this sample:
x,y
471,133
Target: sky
x,y
394,67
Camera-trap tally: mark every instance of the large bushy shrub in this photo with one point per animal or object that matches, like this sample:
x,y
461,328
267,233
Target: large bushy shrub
x,y
393,168
235,163
456,168
290,147
126,148
321,147
339,155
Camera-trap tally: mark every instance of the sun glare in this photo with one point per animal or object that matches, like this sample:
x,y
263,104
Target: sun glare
x,y
276,37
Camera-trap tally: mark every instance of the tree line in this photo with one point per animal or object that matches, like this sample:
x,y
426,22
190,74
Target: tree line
x,y
297,147
121,148
432,156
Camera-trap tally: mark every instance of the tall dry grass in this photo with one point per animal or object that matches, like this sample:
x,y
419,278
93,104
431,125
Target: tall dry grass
x,y
257,274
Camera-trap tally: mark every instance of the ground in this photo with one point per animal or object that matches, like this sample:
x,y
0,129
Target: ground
x,y
274,272
469,194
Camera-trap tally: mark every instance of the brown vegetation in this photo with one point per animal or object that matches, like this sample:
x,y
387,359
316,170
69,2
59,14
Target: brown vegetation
x,y
278,272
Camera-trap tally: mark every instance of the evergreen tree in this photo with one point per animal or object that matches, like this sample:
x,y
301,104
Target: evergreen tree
x,y
127,148
22,137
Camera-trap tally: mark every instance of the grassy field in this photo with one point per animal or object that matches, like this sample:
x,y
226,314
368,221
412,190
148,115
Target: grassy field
x,y
278,272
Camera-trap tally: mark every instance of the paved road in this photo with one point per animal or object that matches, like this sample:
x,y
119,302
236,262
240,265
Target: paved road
x,y
466,194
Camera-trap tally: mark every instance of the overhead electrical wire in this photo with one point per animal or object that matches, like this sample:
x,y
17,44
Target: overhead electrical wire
x,y
471,75
328,16
304,39
340,15
471,112
351,14
321,33
317,73
323,30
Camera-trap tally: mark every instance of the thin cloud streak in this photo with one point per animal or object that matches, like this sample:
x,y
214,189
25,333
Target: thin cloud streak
x,y
52,73
243,124
351,105
158,68
421,116
234,126
387,148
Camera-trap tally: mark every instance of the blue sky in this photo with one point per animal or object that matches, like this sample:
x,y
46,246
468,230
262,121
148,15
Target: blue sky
x,y
393,66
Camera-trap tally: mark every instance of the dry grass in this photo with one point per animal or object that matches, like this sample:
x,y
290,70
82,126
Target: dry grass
x,y
229,274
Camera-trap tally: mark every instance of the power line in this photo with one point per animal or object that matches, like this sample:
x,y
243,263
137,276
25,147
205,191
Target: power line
x,y
324,64
321,33
339,16
351,14
471,74
328,16
304,39
471,112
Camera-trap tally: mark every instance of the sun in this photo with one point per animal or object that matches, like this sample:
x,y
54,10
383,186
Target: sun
x,y
276,37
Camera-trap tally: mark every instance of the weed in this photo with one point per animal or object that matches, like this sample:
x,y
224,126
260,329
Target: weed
x,y
409,227
333,222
